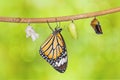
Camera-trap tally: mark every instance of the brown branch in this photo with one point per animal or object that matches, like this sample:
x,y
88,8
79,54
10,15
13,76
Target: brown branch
x,y
59,19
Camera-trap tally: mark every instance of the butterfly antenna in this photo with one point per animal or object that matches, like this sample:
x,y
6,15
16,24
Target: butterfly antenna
x,y
49,26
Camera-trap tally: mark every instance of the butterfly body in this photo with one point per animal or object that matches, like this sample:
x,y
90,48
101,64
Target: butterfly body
x,y
54,51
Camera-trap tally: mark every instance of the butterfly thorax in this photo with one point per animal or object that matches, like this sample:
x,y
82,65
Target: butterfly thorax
x,y
57,30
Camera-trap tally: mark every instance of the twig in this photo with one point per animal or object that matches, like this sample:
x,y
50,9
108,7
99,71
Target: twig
x,y
60,19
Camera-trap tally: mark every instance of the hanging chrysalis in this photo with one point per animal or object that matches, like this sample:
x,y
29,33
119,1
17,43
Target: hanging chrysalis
x,y
96,26
72,30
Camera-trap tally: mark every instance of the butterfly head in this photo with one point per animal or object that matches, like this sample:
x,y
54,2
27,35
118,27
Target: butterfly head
x,y
57,30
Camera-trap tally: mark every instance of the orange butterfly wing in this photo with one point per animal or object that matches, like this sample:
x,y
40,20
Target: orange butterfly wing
x,y
54,52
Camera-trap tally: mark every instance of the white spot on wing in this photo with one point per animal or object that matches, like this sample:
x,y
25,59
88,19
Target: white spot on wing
x,y
61,62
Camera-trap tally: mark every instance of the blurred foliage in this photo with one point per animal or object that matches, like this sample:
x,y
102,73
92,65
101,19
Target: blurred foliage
x,y
91,56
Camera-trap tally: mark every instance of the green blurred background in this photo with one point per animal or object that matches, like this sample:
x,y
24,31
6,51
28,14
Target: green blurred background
x,y
91,56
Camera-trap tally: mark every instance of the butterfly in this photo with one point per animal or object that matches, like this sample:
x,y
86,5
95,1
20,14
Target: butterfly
x,y
53,50
96,26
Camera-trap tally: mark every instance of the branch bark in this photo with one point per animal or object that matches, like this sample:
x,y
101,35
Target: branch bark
x,y
59,19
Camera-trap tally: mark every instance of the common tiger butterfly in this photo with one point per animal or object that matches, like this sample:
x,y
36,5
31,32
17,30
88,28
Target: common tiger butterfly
x,y
53,50
96,26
